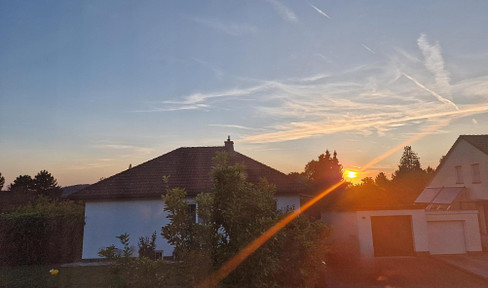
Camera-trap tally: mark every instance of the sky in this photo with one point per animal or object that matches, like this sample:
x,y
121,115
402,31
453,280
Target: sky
x,y
89,87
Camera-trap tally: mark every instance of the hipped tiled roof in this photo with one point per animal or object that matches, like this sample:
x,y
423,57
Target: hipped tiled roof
x,y
189,168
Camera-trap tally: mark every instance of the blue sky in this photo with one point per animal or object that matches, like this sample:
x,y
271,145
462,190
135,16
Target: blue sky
x,y
89,87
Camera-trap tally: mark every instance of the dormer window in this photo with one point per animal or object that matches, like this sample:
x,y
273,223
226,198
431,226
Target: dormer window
x,y
459,175
476,173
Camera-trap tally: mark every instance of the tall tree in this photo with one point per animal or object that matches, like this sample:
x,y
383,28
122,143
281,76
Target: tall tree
x,y
409,163
23,183
45,184
2,181
381,179
324,172
229,219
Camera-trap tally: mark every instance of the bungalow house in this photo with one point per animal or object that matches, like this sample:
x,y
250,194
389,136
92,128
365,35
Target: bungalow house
x,y
446,218
130,201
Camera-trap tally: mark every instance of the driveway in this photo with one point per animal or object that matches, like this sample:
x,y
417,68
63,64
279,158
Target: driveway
x,y
396,272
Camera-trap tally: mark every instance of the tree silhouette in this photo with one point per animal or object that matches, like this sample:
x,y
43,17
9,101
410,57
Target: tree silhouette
x,y
381,179
409,162
2,181
324,172
23,183
45,184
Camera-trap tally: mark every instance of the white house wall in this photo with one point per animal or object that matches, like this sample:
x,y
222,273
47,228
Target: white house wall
x,y
283,202
344,238
104,220
464,155
108,219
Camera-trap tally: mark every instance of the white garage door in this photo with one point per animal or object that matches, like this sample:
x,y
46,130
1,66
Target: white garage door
x,y
446,237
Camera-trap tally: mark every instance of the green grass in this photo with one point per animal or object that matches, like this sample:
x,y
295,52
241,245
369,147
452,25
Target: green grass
x,y
39,276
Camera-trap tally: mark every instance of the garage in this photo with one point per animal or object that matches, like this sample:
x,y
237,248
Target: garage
x,y
392,235
446,237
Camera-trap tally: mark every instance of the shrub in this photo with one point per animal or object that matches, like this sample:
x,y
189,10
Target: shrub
x,y
141,272
147,246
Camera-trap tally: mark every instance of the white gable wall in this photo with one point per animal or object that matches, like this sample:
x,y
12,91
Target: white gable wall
x,y
464,155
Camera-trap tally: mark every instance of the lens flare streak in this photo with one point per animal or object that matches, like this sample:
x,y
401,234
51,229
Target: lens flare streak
x,y
235,261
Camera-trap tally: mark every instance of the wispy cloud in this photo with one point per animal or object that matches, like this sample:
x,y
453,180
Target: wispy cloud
x,y
313,129
368,49
434,62
321,12
285,12
200,100
234,126
233,29
363,100
128,149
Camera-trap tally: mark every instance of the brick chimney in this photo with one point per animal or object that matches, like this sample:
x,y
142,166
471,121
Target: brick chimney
x,y
229,145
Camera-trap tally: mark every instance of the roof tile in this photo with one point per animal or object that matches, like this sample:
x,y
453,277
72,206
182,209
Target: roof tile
x,y
188,168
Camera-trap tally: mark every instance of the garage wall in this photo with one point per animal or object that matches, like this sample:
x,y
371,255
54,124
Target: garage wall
x,y
344,236
470,225
419,227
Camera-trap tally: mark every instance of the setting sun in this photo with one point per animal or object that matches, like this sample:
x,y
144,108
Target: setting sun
x,y
351,174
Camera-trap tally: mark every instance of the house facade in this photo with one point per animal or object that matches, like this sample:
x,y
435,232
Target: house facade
x,y
130,201
450,216
461,185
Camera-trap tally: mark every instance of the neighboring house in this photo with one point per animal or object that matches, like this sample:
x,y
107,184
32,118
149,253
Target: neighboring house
x,y
130,202
374,224
446,218
459,190
68,190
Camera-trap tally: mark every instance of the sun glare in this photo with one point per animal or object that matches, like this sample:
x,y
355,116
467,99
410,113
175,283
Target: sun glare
x,y
351,174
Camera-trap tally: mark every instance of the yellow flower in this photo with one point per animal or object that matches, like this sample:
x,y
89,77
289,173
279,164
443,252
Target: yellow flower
x,y
54,271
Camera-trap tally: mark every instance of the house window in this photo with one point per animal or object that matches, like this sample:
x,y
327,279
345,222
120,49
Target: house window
x,y
459,175
192,211
476,173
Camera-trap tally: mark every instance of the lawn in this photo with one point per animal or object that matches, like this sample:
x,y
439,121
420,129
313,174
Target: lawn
x,y
39,276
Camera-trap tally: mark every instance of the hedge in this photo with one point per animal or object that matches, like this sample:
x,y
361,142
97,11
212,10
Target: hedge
x,y
43,232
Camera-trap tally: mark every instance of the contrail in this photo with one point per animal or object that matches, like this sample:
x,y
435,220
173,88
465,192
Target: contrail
x,y
439,97
319,11
367,48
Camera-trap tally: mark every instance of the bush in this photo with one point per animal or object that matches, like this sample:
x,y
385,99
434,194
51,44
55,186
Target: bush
x,y
147,246
142,272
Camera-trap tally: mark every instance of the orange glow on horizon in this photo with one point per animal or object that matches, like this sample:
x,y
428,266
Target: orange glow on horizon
x,y
229,266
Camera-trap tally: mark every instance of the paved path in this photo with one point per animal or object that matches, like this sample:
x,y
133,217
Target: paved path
x,y
475,264
405,272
